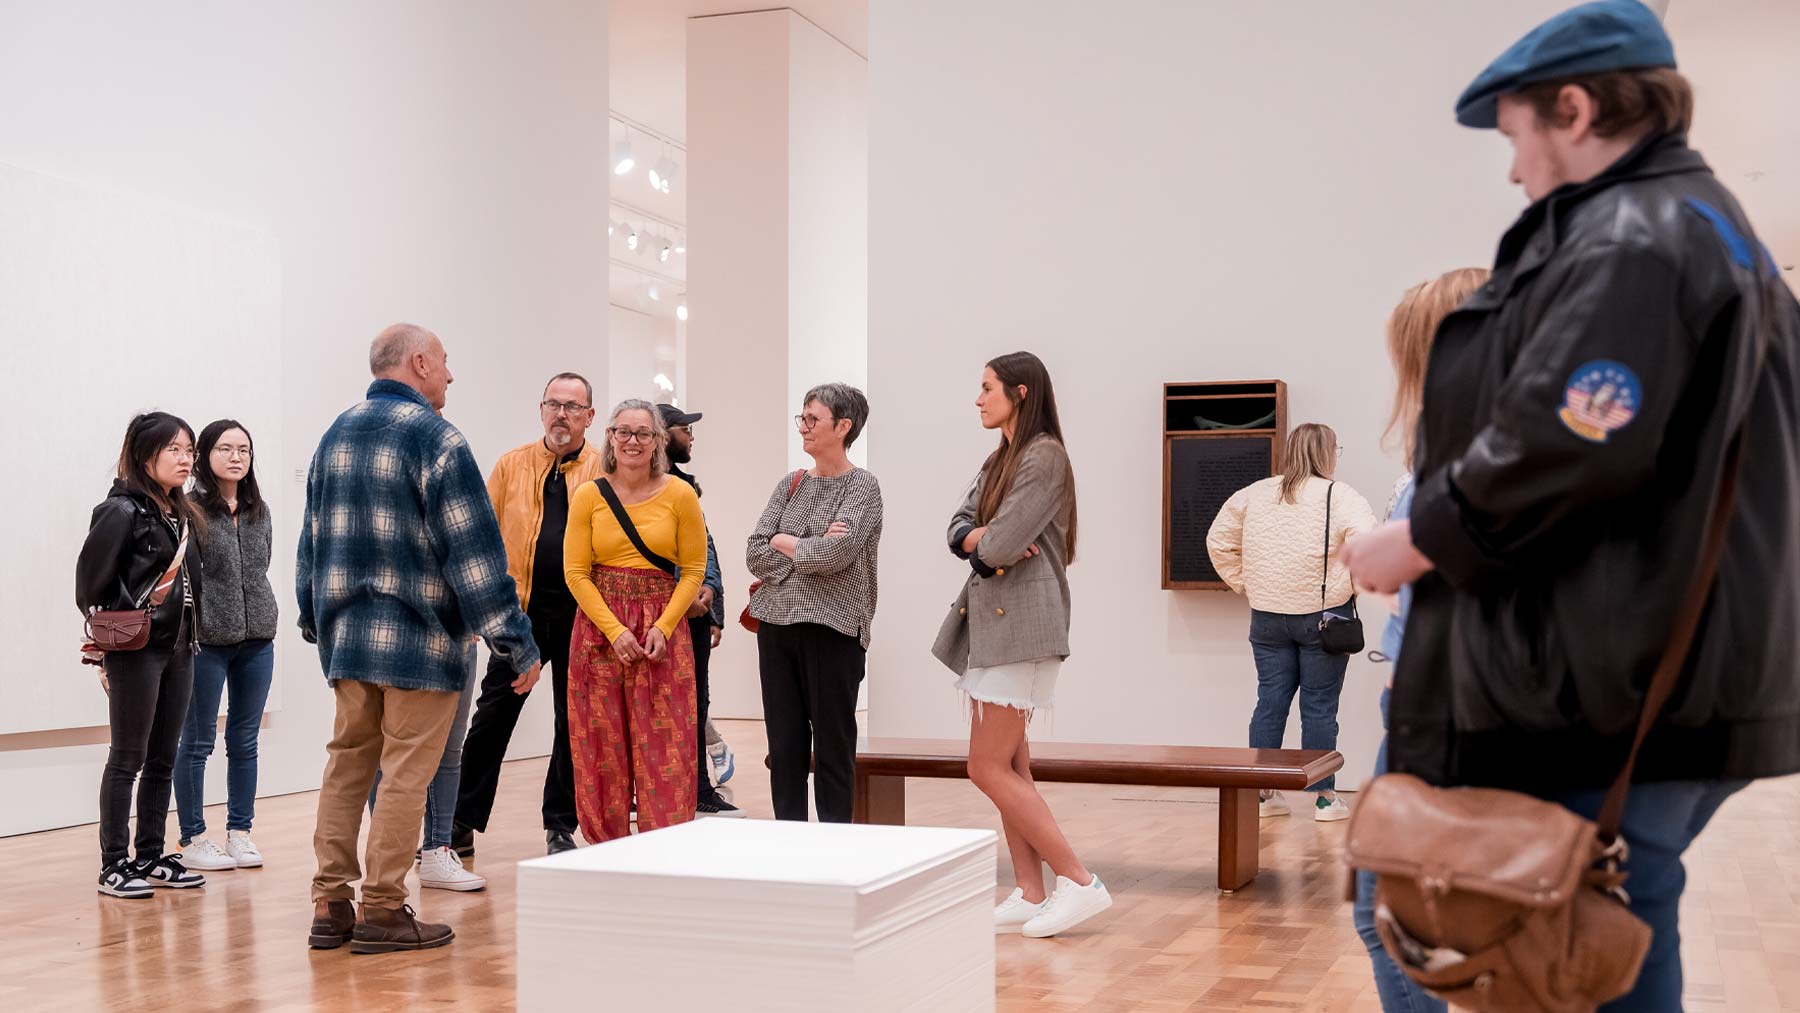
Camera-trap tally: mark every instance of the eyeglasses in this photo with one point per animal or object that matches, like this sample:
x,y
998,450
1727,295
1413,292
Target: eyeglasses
x,y
806,423
229,452
562,407
633,435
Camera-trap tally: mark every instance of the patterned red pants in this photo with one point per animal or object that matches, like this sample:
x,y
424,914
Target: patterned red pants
x,y
631,726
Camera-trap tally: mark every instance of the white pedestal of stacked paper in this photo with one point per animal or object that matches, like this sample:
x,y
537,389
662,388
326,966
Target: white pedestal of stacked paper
x,y
762,915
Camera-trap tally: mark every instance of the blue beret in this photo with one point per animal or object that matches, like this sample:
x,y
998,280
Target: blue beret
x,y
1590,39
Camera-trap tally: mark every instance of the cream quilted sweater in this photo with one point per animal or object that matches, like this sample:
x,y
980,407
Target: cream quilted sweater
x,y
1268,550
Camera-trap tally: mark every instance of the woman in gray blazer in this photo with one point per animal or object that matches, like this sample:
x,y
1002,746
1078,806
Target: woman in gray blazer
x,y
1008,633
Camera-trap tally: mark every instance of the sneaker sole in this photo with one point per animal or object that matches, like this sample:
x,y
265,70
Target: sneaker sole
x,y
458,887
730,769
254,863
195,866
1042,934
738,815
361,946
125,894
1330,818
178,886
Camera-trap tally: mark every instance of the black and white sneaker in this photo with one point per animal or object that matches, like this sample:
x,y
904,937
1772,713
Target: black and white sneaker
x,y
121,879
711,803
168,872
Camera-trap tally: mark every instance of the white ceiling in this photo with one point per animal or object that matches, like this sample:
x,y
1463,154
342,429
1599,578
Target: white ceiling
x,y
648,50
648,85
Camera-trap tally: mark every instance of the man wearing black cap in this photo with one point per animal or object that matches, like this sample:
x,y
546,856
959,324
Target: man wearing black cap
x,y
706,617
1577,415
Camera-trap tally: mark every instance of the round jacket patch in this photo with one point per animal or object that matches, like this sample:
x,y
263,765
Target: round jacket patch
x,y
1601,398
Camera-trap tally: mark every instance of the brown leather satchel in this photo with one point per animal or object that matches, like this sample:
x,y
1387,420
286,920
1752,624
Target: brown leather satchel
x,y
1496,900
745,619
110,630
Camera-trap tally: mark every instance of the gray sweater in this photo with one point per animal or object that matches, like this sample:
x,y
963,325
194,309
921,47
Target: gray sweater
x,y
830,581
236,601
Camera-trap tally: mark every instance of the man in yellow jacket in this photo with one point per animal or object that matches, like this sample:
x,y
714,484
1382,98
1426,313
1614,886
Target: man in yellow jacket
x,y
531,487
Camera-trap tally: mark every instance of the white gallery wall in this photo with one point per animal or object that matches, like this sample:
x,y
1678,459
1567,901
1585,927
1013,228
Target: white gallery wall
x,y
408,161
1184,192
777,177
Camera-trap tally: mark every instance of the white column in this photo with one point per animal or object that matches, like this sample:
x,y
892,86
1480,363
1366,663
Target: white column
x,y
777,270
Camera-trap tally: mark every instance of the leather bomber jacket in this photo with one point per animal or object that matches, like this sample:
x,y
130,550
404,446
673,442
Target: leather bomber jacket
x,y
1576,414
129,544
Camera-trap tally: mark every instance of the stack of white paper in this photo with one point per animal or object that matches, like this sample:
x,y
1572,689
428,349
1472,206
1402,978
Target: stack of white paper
x,y
762,915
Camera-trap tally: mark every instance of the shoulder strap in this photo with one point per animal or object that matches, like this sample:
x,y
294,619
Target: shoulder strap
x,y
1687,622
1325,559
794,486
631,531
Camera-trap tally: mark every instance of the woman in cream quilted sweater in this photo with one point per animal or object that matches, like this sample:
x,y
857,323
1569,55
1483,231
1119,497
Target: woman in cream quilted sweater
x,y
1267,543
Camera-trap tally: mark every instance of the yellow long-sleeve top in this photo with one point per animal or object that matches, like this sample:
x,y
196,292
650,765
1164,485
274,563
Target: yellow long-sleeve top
x,y
671,525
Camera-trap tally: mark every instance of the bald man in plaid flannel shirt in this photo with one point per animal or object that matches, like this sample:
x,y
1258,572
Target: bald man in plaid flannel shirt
x,y
400,563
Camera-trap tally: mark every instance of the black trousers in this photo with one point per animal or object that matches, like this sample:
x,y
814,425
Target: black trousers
x,y
497,713
810,674
701,629
147,704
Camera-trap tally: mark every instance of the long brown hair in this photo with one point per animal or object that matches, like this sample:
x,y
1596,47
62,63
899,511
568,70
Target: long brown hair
x,y
1034,415
1311,452
1410,330
145,438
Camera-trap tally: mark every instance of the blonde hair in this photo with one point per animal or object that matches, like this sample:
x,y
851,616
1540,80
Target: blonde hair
x,y
1410,330
1311,451
659,460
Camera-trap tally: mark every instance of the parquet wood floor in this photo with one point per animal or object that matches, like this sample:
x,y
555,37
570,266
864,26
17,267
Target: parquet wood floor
x,y
1171,941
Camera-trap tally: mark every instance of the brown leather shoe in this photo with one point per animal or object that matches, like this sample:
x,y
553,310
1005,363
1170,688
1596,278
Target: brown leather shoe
x,y
333,923
384,930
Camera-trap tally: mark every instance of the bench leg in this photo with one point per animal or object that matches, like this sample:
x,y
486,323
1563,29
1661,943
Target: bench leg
x,y
1239,820
879,799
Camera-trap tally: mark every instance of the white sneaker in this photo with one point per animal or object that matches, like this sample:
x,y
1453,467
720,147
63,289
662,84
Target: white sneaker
x,y
240,847
203,854
1329,808
1069,905
723,763
1011,914
440,869
1274,805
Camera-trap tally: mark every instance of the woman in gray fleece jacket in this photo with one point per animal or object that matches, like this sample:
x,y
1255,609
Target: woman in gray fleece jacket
x,y
237,647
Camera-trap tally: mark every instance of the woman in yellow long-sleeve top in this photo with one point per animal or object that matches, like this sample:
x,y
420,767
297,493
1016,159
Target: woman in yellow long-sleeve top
x,y
634,553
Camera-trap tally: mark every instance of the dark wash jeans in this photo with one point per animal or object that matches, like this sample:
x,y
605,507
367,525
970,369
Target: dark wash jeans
x,y
1289,658
247,669
147,702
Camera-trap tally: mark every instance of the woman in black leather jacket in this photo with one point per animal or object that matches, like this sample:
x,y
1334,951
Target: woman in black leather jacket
x,y
141,545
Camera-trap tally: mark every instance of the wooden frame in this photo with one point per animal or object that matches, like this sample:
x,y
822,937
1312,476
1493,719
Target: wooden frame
x,y
1217,391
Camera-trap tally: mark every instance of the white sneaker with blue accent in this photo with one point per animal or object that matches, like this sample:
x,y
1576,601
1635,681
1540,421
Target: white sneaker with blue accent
x,y
1069,905
1012,913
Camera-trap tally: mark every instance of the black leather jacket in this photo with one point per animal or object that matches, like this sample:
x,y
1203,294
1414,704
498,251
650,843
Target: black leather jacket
x,y
129,544
1576,414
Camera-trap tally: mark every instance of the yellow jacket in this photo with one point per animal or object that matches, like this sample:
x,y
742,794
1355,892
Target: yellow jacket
x,y
516,486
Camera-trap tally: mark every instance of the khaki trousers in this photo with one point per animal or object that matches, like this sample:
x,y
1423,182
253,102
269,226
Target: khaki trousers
x,y
401,733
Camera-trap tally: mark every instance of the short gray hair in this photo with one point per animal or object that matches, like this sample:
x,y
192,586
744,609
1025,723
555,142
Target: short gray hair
x,y
576,377
659,460
844,402
392,347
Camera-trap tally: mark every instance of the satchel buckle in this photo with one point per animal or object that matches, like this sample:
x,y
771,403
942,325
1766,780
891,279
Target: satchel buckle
x,y
1617,852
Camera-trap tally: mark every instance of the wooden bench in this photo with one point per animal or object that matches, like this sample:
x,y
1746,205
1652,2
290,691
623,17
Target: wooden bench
x,y
883,765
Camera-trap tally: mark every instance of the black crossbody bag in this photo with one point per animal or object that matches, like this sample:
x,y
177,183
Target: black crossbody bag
x,y
1337,634
631,531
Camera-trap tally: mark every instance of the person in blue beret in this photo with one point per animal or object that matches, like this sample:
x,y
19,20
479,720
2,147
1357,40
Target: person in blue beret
x,y
1578,423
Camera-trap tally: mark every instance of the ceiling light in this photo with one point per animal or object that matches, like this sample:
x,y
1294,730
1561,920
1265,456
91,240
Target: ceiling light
x,y
631,238
681,243
655,293
662,381
622,160
681,310
665,174
611,226
663,248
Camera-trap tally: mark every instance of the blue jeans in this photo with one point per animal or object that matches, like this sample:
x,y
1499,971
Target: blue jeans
x,y
1289,657
1399,994
440,794
247,668
1661,820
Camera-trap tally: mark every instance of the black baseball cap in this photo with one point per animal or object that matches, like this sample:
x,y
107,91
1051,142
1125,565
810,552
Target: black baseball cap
x,y
673,416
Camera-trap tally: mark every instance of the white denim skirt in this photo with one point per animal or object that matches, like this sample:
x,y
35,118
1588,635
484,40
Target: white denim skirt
x,y
1022,685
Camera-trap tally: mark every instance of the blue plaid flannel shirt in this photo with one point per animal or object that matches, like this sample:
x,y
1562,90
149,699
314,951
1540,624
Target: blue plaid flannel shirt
x,y
400,555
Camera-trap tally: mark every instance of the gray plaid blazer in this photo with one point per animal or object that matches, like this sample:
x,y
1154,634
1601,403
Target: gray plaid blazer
x,y
1021,611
